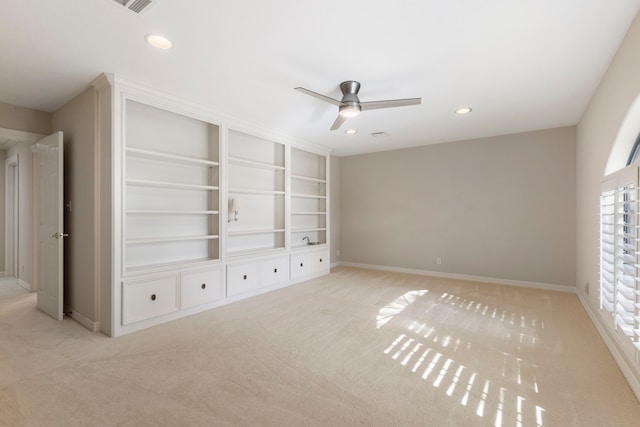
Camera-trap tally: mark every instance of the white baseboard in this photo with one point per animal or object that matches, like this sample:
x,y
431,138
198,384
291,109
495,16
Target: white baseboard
x,y
623,364
508,282
24,285
3,274
82,319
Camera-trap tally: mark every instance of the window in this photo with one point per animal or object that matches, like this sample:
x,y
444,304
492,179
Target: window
x,y
619,252
634,151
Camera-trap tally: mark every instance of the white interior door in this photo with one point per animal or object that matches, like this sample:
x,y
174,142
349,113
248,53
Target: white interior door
x,y
49,223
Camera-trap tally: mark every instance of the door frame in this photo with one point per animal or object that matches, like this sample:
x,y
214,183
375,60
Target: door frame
x,y
12,219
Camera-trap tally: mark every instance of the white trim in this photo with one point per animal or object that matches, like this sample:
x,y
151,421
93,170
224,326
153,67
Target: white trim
x,y
627,370
12,219
11,137
82,319
508,282
24,285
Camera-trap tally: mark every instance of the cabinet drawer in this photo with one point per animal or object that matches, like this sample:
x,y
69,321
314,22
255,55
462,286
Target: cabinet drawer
x,y
200,287
274,271
320,262
300,265
242,278
149,298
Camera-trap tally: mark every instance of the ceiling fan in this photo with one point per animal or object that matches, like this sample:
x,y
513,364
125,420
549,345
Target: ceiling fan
x,y
350,105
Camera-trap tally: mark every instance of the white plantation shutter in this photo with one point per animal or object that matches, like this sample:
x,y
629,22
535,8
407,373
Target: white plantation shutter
x,y
607,250
619,252
626,256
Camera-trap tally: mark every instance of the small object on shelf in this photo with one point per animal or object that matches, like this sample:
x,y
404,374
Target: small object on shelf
x,y
234,207
309,242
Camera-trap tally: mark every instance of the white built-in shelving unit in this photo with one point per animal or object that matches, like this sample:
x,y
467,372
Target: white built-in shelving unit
x,y
171,189
256,195
308,198
202,212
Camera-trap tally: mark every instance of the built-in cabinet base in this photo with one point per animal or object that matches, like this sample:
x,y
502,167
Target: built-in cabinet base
x,y
157,298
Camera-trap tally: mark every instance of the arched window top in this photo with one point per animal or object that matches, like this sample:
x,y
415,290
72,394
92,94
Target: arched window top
x,y
625,148
633,155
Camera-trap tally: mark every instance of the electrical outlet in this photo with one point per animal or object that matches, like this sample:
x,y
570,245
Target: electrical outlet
x,y
438,260
586,288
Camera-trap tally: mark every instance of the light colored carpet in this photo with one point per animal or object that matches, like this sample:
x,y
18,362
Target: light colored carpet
x,y
356,347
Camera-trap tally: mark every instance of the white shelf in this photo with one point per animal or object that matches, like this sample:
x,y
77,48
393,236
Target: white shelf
x,y
308,213
309,179
175,185
308,196
168,212
258,192
141,241
249,232
167,265
255,251
307,230
172,158
254,164
307,246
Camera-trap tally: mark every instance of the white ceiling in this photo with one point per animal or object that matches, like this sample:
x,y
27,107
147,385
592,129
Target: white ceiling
x,y
521,65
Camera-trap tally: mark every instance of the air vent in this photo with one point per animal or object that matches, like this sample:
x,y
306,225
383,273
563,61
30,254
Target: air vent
x,y
136,6
379,134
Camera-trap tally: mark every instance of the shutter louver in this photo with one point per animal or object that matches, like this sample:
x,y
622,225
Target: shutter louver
x,y
607,250
626,258
620,252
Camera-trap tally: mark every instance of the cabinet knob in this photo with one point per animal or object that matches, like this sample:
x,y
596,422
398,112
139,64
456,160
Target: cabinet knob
x,y
153,297
244,277
301,264
204,285
320,259
275,270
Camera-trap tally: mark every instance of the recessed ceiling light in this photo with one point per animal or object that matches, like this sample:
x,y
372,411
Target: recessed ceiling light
x,y
350,131
465,110
158,41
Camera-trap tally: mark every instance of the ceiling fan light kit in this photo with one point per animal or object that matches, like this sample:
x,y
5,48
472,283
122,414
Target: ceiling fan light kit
x,y
350,105
350,110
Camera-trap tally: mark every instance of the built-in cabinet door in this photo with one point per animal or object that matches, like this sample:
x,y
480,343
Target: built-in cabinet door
x,y
200,287
320,262
242,278
275,270
300,265
149,298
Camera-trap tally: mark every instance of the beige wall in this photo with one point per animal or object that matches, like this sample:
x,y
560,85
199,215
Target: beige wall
x,y
3,158
25,119
596,133
334,214
499,207
76,119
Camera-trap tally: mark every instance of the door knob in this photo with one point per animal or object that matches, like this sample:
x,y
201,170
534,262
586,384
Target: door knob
x,y
58,235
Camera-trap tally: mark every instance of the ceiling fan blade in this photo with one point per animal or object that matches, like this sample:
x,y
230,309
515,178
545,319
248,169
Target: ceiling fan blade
x,y
339,121
374,105
319,96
